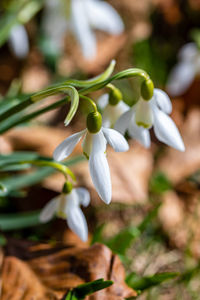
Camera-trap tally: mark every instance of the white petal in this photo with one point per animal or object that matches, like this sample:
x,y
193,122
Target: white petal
x,y
84,196
100,173
54,24
104,17
116,140
49,210
180,78
139,133
98,142
143,114
77,223
163,101
112,113
188,52
82,30
19,41
103,101
166,130
67,146
122,123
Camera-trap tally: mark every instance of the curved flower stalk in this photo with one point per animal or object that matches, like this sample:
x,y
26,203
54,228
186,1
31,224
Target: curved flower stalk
x,y
94,148
111,113
81,17
19,42
183,74
145,114
67,206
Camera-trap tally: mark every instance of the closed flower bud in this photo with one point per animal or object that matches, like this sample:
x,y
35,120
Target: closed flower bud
x,y
67,187
94,122
115,96
147,89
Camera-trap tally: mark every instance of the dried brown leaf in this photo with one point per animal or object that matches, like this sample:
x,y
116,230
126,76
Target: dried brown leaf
x,y
49,272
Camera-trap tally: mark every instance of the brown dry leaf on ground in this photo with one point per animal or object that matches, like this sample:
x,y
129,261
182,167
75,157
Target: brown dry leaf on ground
x,y
107,48
37,138
179,216
177,165
46,272
130,174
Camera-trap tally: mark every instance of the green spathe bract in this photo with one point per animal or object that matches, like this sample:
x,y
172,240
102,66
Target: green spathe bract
x,y
147,89
94,122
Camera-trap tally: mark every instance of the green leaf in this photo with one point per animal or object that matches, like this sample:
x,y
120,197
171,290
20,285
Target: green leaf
x,y
70,90
19,221
25,180
149,218
98,235
160,183
17,157
142,283
123,240
83,290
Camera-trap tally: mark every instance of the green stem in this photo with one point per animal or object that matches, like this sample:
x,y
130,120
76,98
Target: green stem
x,y
48,163
45,163
92,103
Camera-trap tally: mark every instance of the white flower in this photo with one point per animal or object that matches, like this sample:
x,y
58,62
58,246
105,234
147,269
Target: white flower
x,y
94,147
111,113
18,41
183,74
67,206
84,16
145,114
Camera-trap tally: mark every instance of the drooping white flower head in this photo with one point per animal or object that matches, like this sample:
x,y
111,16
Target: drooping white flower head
x,y
83,16
18,41
111,113
183,74
67,206
94,147
145,114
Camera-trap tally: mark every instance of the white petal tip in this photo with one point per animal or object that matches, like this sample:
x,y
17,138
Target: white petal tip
x,y
106,201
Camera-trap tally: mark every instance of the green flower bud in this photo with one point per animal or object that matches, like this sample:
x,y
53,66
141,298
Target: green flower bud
x,y
147,89
67,187
94,122
115,96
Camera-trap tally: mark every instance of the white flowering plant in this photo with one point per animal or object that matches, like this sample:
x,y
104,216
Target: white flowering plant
x,y
117,118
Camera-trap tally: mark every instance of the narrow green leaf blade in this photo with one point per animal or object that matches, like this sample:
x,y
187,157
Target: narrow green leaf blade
x,y
142,283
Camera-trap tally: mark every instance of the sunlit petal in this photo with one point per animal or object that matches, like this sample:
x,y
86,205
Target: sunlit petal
x,y
181,78
75,217
163,101
103,101
83,196
123,122
104,17
82,30
67,146
116,140
139,133
188,52
143,114
166,130
19,42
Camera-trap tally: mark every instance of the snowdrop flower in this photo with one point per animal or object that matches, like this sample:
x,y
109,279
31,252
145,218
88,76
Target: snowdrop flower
x,y
81,17
18,41
111,113
94,148
184,72
67,206
145,114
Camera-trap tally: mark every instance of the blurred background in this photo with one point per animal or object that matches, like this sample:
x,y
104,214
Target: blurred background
x,y
153,221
